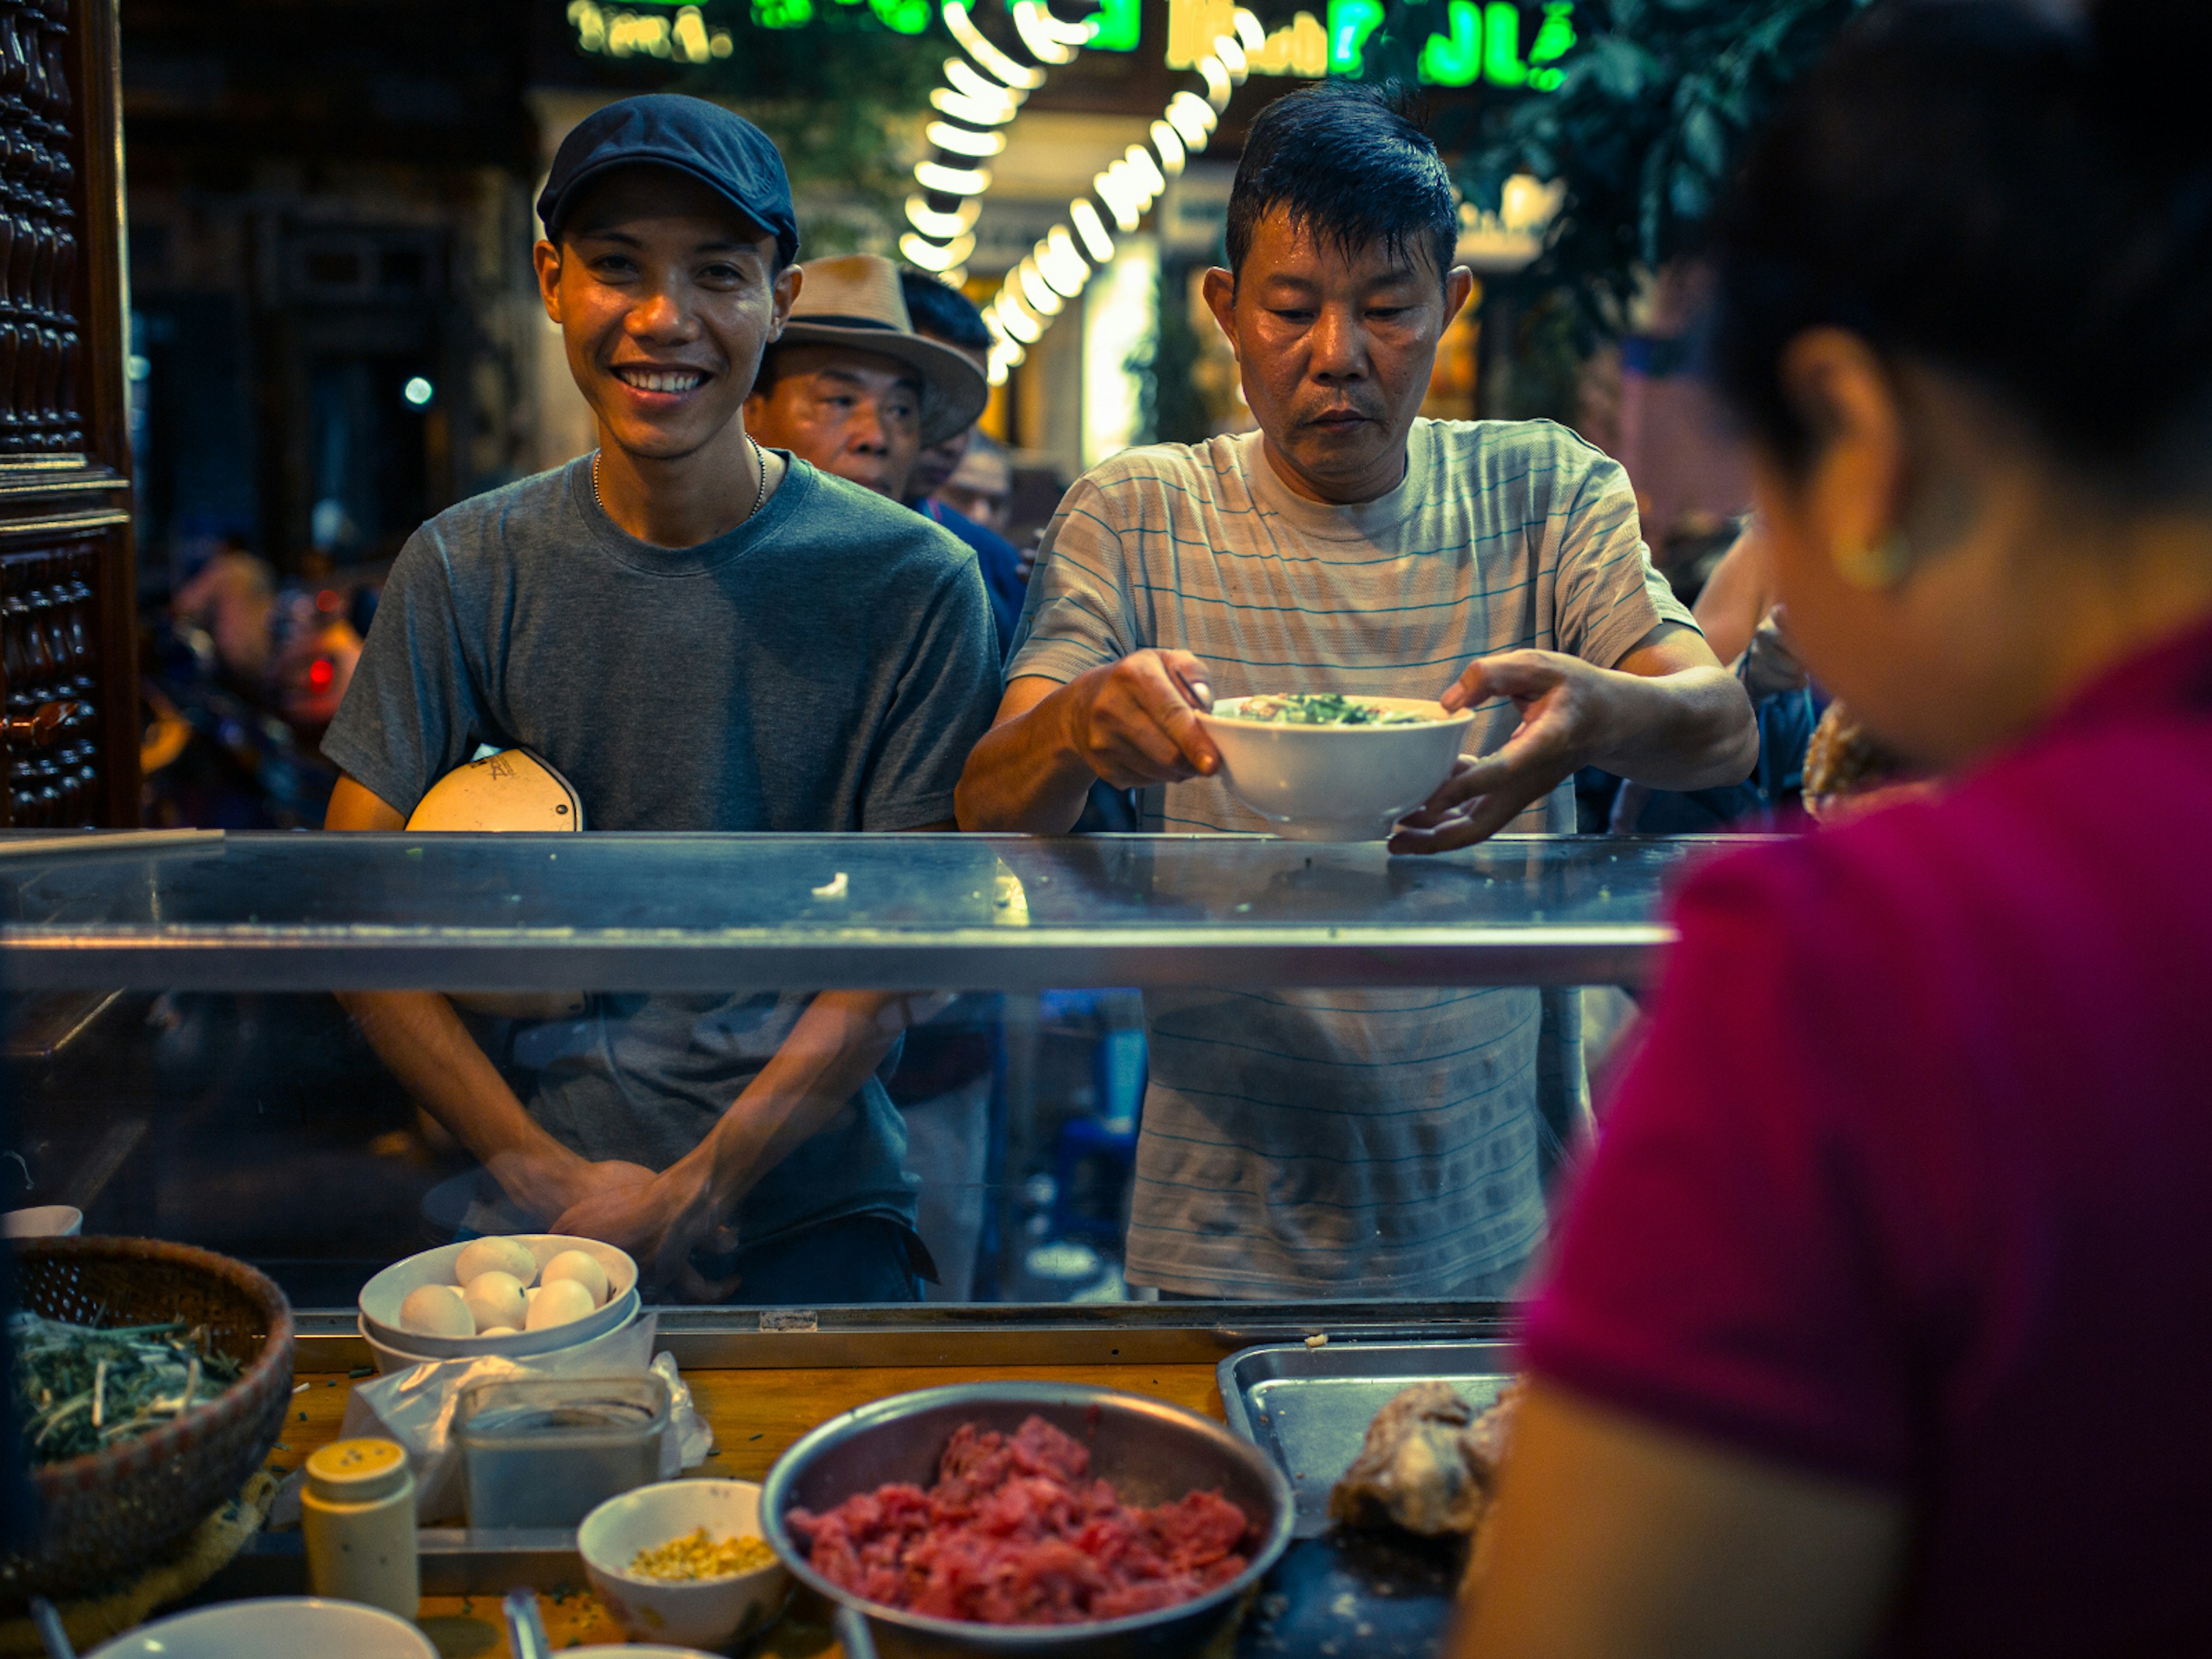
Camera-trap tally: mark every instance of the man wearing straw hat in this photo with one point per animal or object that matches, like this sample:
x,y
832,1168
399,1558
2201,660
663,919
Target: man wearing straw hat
x,y
697,631
851,387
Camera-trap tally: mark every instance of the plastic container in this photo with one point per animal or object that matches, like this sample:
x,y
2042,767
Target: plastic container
x,y
547,1451
358,1516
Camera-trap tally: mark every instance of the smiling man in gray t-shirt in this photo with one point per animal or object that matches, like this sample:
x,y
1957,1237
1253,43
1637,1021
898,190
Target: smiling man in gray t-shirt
x,y
699,634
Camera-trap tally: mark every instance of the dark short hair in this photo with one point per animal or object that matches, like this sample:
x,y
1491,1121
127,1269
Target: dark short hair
x,y
940,309
1349,164
2020,198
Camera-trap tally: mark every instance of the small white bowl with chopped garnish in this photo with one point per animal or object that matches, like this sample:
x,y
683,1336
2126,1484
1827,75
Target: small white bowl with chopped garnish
x,y
1330,767
683,1562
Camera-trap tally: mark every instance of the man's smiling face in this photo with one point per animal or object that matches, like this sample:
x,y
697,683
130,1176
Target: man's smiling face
x,y
666,295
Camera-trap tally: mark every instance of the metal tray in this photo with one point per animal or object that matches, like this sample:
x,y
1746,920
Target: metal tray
x,y
1309,1408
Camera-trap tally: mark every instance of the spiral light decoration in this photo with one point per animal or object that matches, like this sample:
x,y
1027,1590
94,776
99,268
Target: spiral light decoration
x,y
981,93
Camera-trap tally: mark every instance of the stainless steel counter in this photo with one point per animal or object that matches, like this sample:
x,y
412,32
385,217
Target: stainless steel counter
x,y
731,913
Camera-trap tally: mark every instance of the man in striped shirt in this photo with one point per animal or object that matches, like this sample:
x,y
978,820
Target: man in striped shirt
x,y
1367,1143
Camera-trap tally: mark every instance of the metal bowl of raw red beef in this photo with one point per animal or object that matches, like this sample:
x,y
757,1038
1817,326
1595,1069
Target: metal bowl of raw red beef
x,y
1153,1454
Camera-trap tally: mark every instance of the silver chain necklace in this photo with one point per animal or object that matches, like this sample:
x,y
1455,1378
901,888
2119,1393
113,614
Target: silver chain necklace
x,y
760,489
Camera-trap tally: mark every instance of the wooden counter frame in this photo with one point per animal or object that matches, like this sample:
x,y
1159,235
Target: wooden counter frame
x,y
987,1333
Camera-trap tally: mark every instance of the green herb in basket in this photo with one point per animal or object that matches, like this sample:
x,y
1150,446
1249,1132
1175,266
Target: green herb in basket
x,y
79,1390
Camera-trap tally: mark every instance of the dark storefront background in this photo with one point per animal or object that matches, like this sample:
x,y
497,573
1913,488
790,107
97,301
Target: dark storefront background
x,y
329,238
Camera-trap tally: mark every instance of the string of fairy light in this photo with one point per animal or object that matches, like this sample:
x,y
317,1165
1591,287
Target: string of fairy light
x,y
981,93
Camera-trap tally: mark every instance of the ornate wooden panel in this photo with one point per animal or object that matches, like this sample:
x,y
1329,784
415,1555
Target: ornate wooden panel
x,y
68,674
54,652
40,341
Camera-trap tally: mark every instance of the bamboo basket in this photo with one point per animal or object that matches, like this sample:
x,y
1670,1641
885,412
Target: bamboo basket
x,y
108,1514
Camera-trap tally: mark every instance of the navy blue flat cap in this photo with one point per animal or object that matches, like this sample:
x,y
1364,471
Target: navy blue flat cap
x,y
724,152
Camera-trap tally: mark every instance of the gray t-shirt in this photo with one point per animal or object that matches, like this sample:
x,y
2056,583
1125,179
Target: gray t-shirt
x,y
826,666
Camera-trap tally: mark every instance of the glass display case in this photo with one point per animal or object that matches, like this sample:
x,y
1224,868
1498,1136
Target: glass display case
x,y
197,1051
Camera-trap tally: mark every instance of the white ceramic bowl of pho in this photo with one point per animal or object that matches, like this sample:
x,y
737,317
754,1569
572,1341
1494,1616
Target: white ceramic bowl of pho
x,y
707,1612
1330,768
392,1317
275,1627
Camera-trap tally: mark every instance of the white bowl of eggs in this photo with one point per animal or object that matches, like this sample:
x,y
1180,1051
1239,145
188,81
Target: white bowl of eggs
x,y
514,1297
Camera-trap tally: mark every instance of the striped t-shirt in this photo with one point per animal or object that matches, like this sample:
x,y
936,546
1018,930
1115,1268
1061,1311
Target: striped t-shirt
x,y
1345,1142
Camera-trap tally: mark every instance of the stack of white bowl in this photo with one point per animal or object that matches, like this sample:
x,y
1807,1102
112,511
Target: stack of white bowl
x,y
398,1348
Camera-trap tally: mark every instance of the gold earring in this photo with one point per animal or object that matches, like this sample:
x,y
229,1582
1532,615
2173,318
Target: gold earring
x,y
1873,565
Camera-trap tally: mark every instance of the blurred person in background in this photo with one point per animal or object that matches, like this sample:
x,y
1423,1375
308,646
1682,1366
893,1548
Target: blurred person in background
x,y
1693,548
234,598
1877,1321
1736,607
240,675
1386,1143
981,489
942,313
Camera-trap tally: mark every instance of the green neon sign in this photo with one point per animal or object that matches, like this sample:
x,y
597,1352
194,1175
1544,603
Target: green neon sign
x,y
1484,44
1350,23
1118,25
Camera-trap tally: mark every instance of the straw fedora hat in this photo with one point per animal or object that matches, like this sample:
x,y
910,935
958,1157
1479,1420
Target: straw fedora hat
x,y
853,300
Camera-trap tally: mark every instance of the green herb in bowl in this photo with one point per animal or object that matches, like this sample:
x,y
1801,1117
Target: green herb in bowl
x,y
1326,708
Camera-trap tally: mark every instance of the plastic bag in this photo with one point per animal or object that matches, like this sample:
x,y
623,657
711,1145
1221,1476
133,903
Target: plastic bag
x,y
416,1408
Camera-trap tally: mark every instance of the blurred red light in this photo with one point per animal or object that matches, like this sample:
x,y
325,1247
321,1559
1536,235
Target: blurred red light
x,y
321,674
326,600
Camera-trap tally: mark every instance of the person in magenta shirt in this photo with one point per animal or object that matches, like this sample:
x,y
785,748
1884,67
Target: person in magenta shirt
x,y
1882,1318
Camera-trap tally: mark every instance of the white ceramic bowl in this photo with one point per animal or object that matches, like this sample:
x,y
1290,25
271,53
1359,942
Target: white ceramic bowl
x,y
381,1297
390,1359
1335,782
279,1627
43,1221
709,1612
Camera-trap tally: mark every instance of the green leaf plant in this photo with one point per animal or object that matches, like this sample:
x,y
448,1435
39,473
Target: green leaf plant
x,y
1649,118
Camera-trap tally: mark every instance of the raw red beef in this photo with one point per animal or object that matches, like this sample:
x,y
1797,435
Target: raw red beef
x,y
1015,1533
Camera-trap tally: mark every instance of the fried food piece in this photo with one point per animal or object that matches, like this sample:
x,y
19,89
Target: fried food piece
x,y
1427,1464
1844,761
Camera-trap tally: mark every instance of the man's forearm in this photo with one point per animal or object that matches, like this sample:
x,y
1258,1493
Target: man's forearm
x,y
419,1037
1692,729
1026,775
842,1037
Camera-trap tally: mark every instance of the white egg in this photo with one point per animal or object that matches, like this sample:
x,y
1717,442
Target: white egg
x,y
495,1299
559,1303
580,1268
501,1330
485,1256
436,1310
